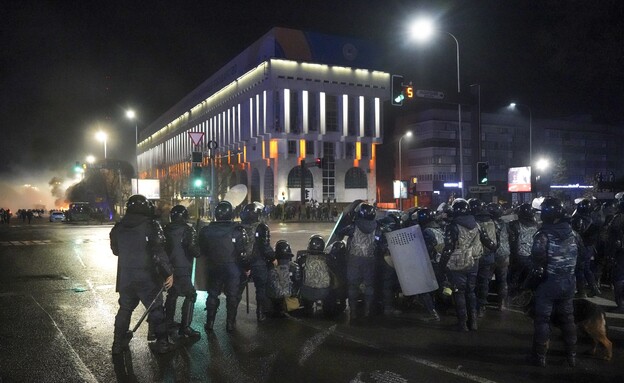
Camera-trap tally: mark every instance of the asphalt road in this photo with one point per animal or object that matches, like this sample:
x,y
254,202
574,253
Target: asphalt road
x,y
58,304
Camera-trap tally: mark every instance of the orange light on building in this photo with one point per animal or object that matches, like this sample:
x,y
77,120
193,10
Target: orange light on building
x,y
273,149
358,150
302,150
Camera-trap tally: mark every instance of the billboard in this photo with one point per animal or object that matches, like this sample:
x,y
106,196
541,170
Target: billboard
x,y
399,189
519,179
150,188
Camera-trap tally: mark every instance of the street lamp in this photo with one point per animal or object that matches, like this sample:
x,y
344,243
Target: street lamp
x,y
422,30
102,136
407,134
131,115
514,105
90,159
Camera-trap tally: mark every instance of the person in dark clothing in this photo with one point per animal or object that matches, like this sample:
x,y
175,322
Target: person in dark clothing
x,y
615,254
463,246
138,242
259,255
553,260
501,258
487,260
521,233
182,248
223,243
364,235
583,224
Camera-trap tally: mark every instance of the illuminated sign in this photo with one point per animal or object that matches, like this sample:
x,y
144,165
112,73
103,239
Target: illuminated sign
x,y
519,179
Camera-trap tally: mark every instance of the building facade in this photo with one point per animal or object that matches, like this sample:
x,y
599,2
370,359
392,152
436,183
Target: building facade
x,y
578,150
266,117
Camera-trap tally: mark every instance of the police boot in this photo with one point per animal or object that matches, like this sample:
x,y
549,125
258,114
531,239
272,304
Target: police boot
x,y
461,325
539,354
162,344
121,341
481,311
473,317
170,308
230,323
260,315
187,317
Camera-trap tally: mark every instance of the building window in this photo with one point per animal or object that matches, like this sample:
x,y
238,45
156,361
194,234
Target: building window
x,y
294,112
269,188
351,113
292,147
277,112
309,148
355,179
331,113
329,171
350,150
294,178
313,116
364,148
368,118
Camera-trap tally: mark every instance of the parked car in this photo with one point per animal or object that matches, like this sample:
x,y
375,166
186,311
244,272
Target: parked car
x,y
57,216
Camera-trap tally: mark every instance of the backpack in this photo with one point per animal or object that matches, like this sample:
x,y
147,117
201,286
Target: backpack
x,y
503,250
279,284
362,244
463,257
525,240
250,230
316,272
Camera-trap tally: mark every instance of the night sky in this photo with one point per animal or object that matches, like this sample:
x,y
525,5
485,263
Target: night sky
x,y
69,68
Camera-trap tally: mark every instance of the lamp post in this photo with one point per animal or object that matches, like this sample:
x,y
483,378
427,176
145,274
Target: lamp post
x,y
407,134
422,30
131,115
102,136
514,105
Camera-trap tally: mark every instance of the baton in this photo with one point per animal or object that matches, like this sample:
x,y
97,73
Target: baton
x,y
147,311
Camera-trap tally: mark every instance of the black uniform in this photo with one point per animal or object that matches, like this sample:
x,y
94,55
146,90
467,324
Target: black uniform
x,y
182,248
223,244
138,241
259,256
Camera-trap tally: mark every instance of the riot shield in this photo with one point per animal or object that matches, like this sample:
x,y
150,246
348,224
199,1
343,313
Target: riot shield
x,y
411,260
344,219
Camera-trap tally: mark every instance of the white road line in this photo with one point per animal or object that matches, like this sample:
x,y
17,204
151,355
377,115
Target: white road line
x,y
312,344
85,374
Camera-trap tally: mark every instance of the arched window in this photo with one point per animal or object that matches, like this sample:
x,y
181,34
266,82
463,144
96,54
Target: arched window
x,y
294,178
355,179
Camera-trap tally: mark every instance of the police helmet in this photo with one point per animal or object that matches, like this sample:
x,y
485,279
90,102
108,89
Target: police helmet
x,y
251,212
525,211
138,204
390,222
178,213
337,248
263,233
552,209
460,207
366,211
584,207
224,211
424,216
282,249
316,243
494,210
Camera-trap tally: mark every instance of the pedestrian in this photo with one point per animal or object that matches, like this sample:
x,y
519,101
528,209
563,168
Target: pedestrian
x,y
553,260
259,255
222,242
463,246
583,224
364,235
521,233
182,248
138,242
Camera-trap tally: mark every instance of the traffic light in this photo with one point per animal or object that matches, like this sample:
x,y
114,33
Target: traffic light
x,y
78,167
482,173
397,95
196,177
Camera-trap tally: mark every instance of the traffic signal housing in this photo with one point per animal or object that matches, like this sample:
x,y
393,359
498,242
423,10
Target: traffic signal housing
x,y
196,177
482,173
397,96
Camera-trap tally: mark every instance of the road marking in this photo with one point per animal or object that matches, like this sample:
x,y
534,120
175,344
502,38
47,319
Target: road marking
x,y
312,344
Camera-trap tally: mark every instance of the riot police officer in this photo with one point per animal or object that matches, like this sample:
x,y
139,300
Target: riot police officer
x,y
222,243
138,242
501,258
615,254
463,246
362,245
259,254
486,262
583,224
182,248
434,241
521,233
553,260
